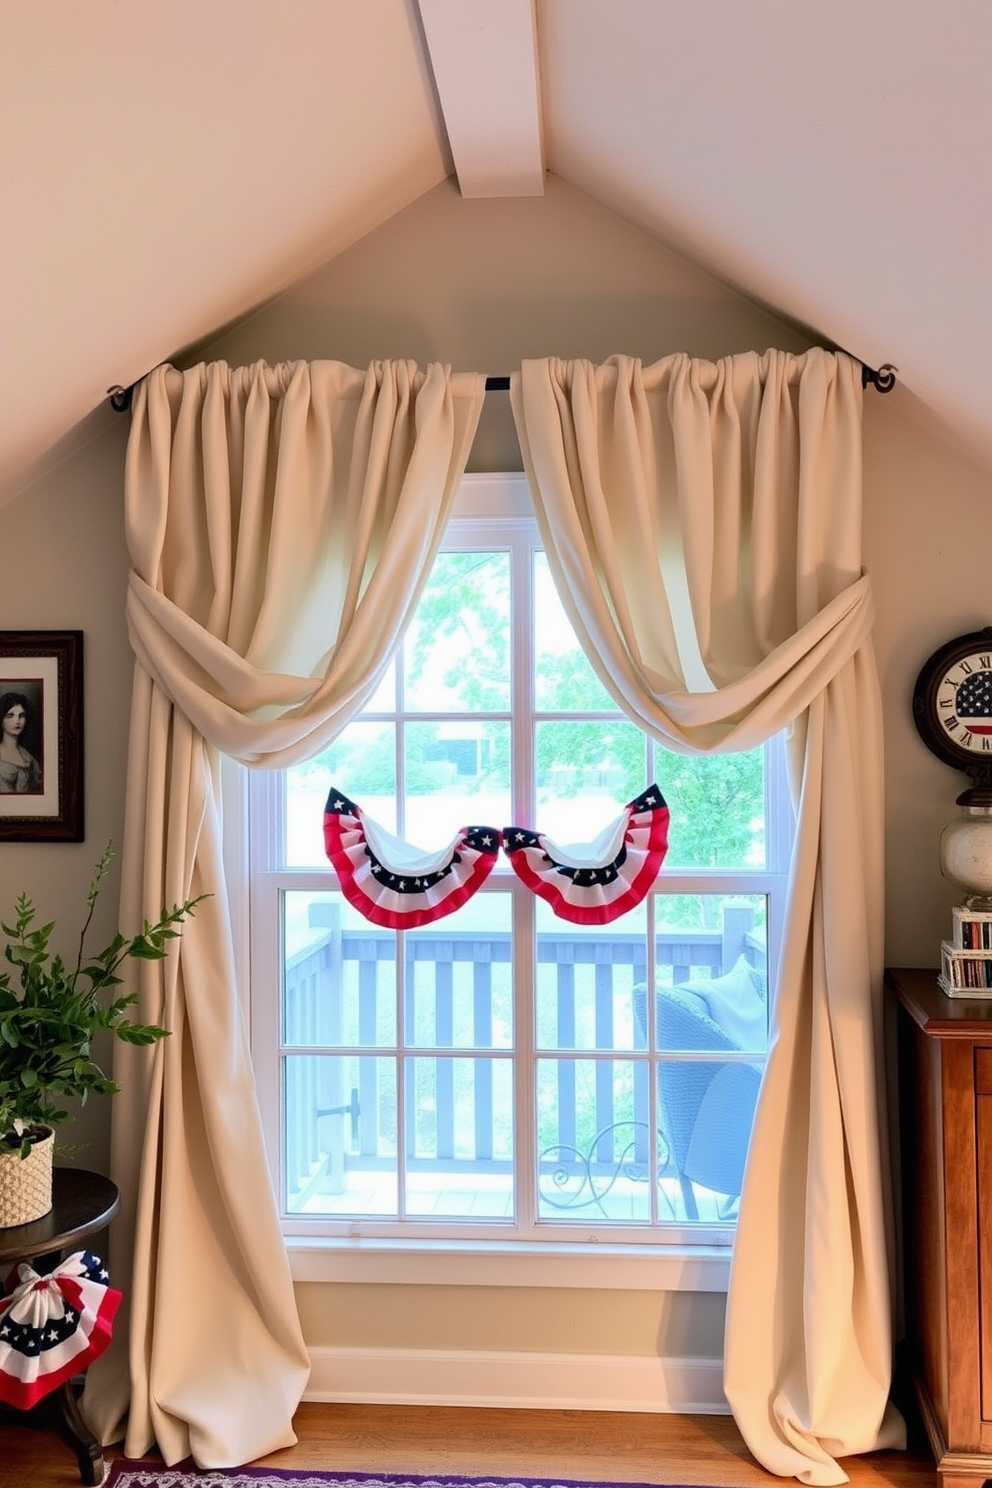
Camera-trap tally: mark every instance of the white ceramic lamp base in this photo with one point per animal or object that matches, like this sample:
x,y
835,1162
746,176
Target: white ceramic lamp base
x,y
966,855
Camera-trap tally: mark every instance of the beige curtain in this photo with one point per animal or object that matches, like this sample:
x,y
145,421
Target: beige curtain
x,y
703,525
281,523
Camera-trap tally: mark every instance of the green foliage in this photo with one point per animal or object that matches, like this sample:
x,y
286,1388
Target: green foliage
x,y
465,608
567,682
572,756
717,808
50,1015
716,801
362,761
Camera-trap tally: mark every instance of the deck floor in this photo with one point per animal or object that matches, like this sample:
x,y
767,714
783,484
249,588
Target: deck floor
x,y
443,1196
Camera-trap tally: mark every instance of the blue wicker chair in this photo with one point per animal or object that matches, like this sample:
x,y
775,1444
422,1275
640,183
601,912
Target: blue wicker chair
x,y
705,1108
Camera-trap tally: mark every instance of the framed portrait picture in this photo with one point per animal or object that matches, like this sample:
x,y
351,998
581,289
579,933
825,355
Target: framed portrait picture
x,y
41,736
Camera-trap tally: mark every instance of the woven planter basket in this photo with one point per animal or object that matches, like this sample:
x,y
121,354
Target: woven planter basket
x,y
26,1183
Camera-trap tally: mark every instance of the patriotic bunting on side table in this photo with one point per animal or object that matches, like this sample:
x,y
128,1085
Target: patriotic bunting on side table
x,y
395,884
596,882
52,1327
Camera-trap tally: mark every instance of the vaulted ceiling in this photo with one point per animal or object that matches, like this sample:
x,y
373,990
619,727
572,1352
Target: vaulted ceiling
x,y
165,167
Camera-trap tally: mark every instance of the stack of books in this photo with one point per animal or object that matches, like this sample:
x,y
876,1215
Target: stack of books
x,y
966,961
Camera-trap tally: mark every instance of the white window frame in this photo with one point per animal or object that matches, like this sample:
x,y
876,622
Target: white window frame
x,y
696,1259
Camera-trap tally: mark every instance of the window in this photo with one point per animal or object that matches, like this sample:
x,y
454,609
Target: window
x,y
504,1074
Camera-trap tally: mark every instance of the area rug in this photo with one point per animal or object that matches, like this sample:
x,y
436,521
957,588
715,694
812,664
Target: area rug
x,y
125,1474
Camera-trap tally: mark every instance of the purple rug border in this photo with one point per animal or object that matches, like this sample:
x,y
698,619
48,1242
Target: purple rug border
x,y
122,1467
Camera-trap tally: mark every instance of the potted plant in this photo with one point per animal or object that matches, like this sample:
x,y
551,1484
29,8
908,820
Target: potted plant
x,y
49,1017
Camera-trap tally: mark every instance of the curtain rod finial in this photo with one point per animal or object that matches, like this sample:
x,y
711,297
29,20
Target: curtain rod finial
x,y
120,398
884,379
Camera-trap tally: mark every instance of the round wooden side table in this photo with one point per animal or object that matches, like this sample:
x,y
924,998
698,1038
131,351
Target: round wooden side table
x,y
82,1203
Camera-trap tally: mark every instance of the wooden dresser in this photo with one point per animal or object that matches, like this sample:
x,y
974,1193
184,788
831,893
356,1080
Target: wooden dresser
x,y
945,1122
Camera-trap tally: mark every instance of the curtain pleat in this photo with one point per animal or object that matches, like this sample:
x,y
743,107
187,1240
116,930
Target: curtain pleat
x,y
281,523
702,523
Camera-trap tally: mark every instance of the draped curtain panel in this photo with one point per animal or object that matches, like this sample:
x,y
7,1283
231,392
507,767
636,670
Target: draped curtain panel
x,y
703,525
281,523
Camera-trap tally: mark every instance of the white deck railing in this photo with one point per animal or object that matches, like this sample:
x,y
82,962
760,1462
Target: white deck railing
x,y
334,1124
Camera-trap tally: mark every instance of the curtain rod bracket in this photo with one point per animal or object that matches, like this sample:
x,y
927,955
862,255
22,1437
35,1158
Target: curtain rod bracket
x,y
120,398
884,379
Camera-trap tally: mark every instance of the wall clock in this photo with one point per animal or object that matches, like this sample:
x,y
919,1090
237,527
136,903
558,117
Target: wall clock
x,y
952,705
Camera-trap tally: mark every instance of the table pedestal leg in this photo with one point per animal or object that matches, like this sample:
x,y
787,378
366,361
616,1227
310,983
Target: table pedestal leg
x,y
74,1430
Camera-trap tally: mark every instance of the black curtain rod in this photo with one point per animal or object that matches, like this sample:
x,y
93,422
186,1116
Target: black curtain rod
x,y
120,397
884,379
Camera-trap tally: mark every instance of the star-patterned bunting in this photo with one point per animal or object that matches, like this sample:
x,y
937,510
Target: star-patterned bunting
x,y
596,882
53,1326
394,884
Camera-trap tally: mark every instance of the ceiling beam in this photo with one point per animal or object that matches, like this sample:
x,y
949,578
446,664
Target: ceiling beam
x,y
483,54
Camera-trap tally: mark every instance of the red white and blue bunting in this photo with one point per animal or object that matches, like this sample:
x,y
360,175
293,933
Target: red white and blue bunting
x,y
595,882
52,1327
395,884
399,886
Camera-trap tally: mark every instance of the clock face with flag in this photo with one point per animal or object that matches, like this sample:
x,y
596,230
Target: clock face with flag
x,y
952,702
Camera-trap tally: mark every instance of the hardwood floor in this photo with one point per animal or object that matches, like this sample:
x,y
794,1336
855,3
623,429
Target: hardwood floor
x,y
606,1446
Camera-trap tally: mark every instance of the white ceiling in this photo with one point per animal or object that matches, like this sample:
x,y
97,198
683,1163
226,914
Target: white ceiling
x,y
167,166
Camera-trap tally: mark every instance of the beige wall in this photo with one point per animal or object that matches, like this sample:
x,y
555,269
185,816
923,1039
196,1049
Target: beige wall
x,y
927,537
482,284
514,1319
65,568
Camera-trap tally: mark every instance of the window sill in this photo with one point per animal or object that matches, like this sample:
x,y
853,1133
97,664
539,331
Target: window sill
x,y
691,1268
